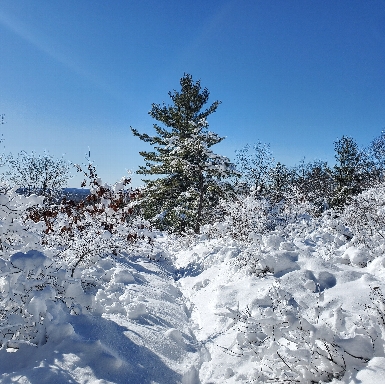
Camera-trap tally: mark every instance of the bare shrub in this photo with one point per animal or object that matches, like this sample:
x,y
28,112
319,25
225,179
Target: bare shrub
x,y
100,224
37,174
287,347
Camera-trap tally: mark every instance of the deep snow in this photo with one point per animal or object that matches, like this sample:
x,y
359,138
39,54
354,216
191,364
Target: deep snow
x,y
202,313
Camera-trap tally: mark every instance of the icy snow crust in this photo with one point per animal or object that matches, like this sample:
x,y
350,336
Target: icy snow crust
x,y
279,309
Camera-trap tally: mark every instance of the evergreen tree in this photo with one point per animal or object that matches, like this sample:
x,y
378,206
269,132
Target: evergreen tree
x,y
191,178
376,153
280,180
314,181
348,171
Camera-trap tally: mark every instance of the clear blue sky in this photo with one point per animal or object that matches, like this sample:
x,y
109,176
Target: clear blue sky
x,y
297,74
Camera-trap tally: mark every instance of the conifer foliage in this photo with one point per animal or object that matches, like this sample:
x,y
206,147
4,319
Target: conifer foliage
x,y
348,172
191,177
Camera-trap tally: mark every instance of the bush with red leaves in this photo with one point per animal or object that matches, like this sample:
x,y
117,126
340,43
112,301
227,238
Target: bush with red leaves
x,y
105,222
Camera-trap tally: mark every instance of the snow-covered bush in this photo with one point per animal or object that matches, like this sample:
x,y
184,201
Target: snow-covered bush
x,y
103,223
15,233
36,296
248,217
297,207
273,255
245,217
288,347
376,310
365,217
42,245
38,174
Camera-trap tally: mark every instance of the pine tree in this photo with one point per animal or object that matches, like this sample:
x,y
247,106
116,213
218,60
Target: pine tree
x,y
280,180
191,178
348,171
314,181
376,153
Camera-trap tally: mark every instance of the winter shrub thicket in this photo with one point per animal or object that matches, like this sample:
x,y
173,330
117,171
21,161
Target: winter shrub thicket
x,y
271,196
247,217
44,244
259,175
37,174
14,228
316,182
34,290
36,295
289,347
365,217
244,217
103,223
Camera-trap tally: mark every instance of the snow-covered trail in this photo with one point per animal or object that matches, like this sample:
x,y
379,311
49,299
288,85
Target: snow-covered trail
x,y
153,310
211,286
177,320
140,332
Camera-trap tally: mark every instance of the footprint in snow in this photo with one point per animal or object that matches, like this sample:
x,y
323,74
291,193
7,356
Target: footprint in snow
x,y
324,281
201,284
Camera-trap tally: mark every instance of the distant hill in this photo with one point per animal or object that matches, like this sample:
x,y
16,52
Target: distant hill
x,y
76,194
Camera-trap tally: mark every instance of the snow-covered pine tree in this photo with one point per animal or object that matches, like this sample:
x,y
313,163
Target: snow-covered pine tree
x,y
191,178
348,171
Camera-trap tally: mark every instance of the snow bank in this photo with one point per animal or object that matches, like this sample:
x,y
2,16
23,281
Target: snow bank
x,y
303,303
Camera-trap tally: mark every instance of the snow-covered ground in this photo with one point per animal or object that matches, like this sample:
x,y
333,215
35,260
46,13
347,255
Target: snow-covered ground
x,y
305,308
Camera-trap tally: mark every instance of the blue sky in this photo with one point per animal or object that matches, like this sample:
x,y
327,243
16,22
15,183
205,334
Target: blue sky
x,y
298,74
